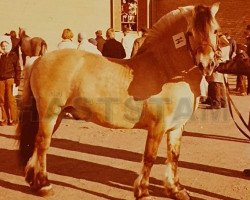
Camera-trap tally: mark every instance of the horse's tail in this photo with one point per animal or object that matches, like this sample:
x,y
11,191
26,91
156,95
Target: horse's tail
x,y
43,48
28,120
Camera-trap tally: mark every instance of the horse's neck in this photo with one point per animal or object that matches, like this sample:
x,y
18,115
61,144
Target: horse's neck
x,y
164,58
149,76
166,70
166,46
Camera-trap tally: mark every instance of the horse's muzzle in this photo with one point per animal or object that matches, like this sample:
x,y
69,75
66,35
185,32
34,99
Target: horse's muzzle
x,y
208,69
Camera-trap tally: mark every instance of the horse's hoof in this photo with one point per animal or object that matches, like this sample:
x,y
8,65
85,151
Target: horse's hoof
x,y
182,195
45,191
30,174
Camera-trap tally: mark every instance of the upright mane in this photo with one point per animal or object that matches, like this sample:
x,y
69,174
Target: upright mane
x,y
163,27
202,21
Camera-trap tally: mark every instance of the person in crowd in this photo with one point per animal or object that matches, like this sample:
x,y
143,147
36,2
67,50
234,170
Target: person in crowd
x,y
10,74
127,42
216,87
67,42
112,48
233,46
15,42
139,41
239,65
85,45
241,81
92,41
100,40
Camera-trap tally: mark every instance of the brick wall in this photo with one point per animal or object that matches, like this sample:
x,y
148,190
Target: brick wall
x,y
233,16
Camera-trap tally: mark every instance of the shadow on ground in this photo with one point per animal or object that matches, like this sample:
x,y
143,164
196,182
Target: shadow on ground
x,y
104,174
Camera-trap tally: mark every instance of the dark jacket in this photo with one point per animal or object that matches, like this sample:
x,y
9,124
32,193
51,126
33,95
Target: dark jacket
x,y
240,65
10,67
100,42
137,45
15,45
113,49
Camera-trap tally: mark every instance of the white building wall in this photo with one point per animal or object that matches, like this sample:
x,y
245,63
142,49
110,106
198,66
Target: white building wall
x,y
48,18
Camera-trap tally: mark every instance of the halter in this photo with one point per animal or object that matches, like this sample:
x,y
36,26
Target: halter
x,y
193,52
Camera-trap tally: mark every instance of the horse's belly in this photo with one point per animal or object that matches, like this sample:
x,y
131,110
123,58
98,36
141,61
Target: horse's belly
x,y
111,112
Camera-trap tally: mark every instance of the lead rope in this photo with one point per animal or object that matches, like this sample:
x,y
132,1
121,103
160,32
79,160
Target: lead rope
x,y
230,105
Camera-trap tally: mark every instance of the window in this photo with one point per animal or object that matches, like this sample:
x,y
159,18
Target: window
x,y
129,14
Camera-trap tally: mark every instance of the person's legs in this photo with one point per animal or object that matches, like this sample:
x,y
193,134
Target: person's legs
x,y
241,85
209,93
238,83
243,90
215,95
3,120
223,98
11,102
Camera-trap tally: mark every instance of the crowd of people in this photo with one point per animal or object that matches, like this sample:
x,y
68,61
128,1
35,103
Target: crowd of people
x,y
213,87
109,47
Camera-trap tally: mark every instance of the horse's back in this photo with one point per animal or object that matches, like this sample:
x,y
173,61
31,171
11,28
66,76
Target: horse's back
x,y
35,46
57,68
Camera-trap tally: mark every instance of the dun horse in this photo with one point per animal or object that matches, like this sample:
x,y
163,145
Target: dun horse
x,y
35,46
156,90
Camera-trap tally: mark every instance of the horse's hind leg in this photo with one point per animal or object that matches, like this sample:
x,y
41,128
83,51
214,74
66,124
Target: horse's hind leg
x,y
142,182
171,181
36,171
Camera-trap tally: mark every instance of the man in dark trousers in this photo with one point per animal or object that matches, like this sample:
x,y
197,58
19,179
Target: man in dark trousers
x,y
112,48
10,74
240,65
139,41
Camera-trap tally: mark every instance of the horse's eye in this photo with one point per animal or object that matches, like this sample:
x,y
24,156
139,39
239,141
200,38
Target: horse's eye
x,y
216,31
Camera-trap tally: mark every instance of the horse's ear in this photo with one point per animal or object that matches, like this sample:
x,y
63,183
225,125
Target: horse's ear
x,y
215,8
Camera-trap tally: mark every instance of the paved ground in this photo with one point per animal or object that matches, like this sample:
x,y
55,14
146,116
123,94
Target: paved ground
x,y
90,162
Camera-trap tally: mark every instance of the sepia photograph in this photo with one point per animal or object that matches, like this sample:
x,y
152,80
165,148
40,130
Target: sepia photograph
x,y
125,100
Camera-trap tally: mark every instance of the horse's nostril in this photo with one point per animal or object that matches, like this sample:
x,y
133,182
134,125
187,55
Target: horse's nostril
x,y
200,66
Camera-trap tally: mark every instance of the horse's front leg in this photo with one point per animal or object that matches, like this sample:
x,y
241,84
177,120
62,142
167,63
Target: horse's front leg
x,y
142,182
171,180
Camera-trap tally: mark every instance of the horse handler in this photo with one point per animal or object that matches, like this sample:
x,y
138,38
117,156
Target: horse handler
x,y
240,65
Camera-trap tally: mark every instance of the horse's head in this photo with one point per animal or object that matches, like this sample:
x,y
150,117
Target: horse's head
x,y
202,37
21,33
